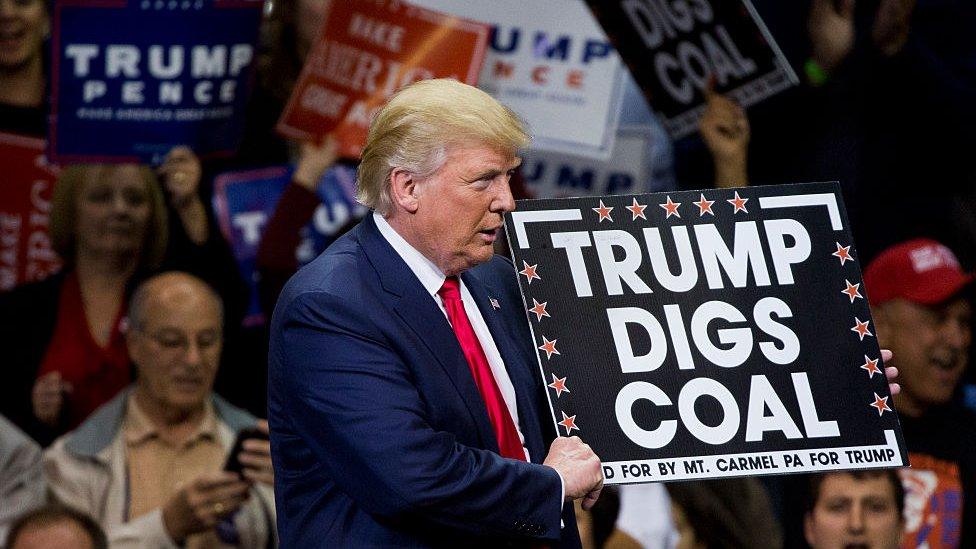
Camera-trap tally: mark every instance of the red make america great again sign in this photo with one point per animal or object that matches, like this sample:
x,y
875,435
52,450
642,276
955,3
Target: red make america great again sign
x,y
368,49
26,186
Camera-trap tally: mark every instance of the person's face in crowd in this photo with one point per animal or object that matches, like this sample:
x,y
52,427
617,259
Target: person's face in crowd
x,y
852,512
460,207
309,18
113,210
64,534
23,26
687,539
931,348
177,348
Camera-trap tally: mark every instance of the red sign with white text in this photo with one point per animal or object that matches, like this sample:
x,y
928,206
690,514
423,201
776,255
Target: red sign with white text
x,y
25,200
368,49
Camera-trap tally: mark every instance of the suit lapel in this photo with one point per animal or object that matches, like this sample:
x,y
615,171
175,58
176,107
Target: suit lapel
x,y
421,314
519,370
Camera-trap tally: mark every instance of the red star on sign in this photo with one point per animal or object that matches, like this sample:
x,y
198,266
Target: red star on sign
x,y
852,290
704,206
637,210
569,422
549,347
604,212
559,384
539,309
739,203
843,253
880,403
671,208
529,272
871,366
861,328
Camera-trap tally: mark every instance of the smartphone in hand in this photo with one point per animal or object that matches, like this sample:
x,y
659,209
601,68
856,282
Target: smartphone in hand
x,y
233,463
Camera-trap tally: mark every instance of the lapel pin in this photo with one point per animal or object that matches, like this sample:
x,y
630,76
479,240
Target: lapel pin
x,y
494,303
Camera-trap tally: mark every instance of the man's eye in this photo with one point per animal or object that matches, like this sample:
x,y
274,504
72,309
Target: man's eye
x,y
207,341
171,343
878,507
837,507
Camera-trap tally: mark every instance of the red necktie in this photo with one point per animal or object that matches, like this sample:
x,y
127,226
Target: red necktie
x,y
509,444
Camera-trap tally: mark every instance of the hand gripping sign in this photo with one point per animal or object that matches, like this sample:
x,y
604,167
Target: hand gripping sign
x,y
703,334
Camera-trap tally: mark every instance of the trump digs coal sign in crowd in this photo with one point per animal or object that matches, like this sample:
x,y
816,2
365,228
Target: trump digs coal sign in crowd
x,y
703,334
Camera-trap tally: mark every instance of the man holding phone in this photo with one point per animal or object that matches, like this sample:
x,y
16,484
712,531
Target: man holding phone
x,y
168,463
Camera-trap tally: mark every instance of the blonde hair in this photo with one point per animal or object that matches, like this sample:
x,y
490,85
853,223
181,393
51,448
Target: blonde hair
x,y
417,125
64,210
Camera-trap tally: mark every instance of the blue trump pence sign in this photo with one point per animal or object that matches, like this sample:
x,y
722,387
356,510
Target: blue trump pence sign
x,y
132,79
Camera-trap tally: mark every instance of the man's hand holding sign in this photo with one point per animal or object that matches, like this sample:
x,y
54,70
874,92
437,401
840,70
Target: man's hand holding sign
x,y
718,366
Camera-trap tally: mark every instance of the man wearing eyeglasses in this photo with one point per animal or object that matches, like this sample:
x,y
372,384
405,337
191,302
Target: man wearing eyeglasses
x,y
147,465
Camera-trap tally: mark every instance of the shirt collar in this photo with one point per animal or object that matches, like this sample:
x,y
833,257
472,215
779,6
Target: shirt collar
x,y
424,269
139,428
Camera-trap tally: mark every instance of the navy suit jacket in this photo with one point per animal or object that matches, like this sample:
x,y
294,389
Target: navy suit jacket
x,y
379,435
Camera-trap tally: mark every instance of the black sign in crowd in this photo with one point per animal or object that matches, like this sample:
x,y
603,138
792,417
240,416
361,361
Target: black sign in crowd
x,y
678,50
710,333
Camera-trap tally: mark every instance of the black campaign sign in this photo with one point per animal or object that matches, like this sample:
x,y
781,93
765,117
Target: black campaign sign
x,y
674,49
704,334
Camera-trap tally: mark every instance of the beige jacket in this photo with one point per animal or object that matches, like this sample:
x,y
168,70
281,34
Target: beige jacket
x,y
86,470
21,481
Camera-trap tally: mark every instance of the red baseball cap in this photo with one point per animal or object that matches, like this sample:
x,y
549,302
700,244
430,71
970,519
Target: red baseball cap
x,y
920,270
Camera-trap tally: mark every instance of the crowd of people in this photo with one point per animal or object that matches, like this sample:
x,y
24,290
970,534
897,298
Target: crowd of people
x,y
129,375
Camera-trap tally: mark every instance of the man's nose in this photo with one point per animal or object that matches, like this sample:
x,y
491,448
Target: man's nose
x,y
194,354
956,334
504,201
855,519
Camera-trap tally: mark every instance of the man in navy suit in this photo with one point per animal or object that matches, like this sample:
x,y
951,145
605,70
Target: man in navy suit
x,y
406,408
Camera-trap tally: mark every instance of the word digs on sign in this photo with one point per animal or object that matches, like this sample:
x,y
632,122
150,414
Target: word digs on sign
x,y
703,334
678,49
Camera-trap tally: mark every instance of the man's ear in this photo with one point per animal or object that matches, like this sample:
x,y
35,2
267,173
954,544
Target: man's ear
x,y
132,346
403,190
881,314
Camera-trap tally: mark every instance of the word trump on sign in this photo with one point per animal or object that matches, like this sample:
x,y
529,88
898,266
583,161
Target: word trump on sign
x,y
131,79
207,65
706,334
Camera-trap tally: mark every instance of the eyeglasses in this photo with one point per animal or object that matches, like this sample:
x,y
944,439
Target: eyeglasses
x,y
179,342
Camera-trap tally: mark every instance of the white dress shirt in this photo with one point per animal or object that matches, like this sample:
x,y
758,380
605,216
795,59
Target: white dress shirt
x,y
432,279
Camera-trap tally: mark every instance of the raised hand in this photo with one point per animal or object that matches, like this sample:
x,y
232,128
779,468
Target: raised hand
x,y
831,29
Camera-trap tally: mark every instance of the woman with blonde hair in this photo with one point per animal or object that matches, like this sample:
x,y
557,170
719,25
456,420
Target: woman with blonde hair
x,y
62,338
